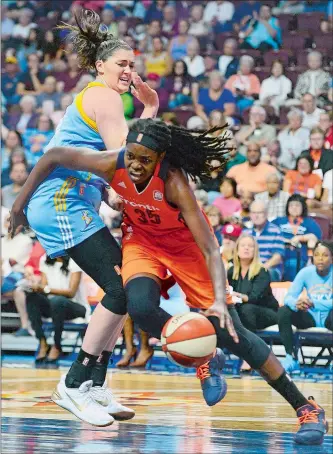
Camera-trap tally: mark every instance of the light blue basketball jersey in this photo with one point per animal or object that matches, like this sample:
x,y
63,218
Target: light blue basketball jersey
x,y
63,211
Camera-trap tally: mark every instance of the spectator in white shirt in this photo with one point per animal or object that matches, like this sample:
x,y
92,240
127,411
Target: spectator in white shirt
x,y
274,90
311,113
274,198
293,139
228,62
22,29
327,196
198,27
219,11
194,61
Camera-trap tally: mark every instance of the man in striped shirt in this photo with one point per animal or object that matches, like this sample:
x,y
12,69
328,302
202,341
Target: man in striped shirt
x,y
269,238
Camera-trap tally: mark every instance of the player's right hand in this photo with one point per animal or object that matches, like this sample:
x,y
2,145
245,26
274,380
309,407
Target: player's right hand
x,y
17,221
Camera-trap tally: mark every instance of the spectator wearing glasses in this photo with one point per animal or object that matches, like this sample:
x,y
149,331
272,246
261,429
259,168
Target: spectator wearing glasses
x,y
269,238
216,221
251,284
235,157
274,199
308,302
300,233
257,131
302,180
322,157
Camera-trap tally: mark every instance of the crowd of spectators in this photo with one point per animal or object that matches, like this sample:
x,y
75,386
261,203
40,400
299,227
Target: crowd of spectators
x,y
263,68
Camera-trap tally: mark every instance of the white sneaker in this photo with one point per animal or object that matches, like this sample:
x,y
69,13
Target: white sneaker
x,y
104,396
79,401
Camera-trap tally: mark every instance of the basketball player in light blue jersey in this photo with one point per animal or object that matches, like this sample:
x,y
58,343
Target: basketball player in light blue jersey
x,y
63,212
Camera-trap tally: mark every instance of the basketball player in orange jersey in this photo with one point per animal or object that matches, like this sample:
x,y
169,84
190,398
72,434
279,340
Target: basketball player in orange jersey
x,y
164,229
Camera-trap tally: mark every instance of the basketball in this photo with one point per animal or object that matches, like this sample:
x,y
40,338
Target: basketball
x,y
188,340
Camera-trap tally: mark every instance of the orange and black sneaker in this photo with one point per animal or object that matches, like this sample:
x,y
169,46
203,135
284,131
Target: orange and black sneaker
x,y
213,384
313,425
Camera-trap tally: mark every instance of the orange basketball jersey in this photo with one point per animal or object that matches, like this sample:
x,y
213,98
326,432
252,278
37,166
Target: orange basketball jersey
x,y
147,209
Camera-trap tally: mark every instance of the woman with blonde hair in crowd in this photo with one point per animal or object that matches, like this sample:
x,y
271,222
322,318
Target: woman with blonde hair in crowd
x,y
251,284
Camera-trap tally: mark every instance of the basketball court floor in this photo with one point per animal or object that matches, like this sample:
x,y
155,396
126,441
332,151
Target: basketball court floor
x,y
171,417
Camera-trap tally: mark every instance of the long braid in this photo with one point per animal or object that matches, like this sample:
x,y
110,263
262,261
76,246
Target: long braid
x,y
194,152
190,151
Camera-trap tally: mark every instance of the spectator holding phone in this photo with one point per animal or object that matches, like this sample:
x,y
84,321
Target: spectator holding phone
x,y
308,302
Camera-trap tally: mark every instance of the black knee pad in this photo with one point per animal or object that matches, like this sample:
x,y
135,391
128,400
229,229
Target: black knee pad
x,y
142,295
115,300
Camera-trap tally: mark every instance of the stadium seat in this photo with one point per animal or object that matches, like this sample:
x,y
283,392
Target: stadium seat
x,y
324,223
282,55
309,21
183,115
221,37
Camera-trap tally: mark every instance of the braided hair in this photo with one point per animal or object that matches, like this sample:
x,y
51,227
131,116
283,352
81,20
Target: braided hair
x,y
91,39
190,151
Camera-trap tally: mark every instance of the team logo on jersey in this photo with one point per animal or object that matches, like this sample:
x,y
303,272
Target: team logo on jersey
x,y
122,185
82,188
86,217
158,196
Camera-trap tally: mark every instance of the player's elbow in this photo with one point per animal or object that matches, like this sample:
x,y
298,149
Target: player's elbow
x,y
212,251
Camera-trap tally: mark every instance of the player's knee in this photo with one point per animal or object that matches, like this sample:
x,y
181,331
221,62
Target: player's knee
x,y
143,295
115,301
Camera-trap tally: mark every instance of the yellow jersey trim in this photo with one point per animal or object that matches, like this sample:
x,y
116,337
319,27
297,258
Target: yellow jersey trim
x,y
59,198
79,104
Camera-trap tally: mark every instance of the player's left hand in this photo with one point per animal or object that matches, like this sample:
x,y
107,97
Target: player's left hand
x,y
220,310
111,198
143,92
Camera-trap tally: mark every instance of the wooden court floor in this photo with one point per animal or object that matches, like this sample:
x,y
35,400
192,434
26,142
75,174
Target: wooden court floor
x,y
171,417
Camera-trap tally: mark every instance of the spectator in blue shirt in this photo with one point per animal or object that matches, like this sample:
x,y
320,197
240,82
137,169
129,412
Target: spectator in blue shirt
x,y
35,140
300,232
9,81
215,97
244,12
308,302
269,238
155,11
263,31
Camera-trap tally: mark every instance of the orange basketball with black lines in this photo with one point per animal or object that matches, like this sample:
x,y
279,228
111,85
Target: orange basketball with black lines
x,y
188,340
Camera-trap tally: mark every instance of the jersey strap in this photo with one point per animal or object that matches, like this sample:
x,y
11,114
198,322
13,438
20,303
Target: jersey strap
x,y
79,105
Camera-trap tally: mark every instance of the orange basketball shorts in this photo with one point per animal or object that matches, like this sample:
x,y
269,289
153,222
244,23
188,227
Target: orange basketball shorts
x,y
175,252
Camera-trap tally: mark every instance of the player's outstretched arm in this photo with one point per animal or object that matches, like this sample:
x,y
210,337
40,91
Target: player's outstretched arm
x,y
101,163
179,193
